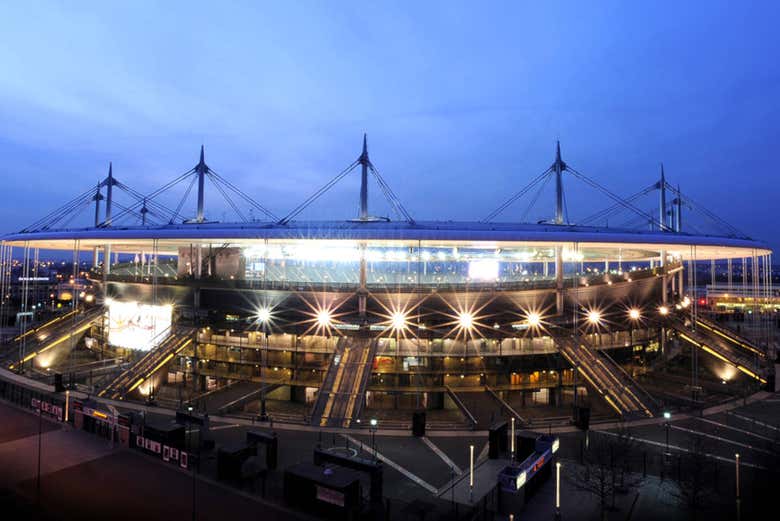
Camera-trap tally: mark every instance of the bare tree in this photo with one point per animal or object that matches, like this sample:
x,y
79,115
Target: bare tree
x,y
596,475
624,452
606,467
695,480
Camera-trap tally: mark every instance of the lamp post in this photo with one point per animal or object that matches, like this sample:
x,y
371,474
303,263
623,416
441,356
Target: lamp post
x,y
40,429
264,315
189,458
372,428
471,473
736,469
512,441
667,417
557,490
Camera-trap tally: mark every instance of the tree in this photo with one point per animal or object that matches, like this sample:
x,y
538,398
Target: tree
x,y
606,467
696,475
596,476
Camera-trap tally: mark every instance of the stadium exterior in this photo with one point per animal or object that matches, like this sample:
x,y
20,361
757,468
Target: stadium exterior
x,y
343,317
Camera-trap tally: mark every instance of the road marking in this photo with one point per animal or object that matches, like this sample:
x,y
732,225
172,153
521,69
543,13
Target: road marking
x,y
719,438
682,449
427,486
753,421
737,429
442,455
219,427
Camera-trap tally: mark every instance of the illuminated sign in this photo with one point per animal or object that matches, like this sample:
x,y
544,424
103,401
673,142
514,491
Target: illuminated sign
x,y
137,326
328,495
520,480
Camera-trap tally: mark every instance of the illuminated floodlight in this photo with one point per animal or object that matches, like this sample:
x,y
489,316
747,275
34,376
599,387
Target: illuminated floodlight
x,y
634,314
594,317
263,315
686,302
398,320
533,319
465,320
663,310
667,415
324,318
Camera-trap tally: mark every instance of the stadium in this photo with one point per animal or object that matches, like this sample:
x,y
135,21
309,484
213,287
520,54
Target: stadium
x,y
333,323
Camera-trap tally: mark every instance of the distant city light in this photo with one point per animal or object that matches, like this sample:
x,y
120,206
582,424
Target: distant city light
x,y
634,314
663,310
594,317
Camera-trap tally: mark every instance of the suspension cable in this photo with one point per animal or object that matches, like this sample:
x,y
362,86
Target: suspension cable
x,y
495,213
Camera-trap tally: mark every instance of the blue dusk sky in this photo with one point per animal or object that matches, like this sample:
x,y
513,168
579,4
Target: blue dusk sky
x,y
462,103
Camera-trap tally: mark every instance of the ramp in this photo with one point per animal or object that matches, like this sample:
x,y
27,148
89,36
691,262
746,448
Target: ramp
x,y
463,408
607,378
70,326
150,363
723,345
341,397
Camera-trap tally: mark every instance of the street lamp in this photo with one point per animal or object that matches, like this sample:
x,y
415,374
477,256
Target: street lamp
x,y
557,490
264,316
189,457
736,469
667,417
372,427
471,473
512,441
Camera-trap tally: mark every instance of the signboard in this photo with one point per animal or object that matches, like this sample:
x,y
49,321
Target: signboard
x,y
328,495
47,408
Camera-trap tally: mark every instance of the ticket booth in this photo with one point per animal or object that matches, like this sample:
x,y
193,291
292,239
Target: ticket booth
x,y
328,492
89,417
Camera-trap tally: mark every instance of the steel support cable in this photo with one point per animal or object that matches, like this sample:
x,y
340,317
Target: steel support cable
x,y
171,184
495,213
77,205
703,209
390,195
244,196
617,207
75,212
298,209
90,193
74,208
141,197
227,198
612,195
387,195
156,193
129,211
386,192
183,199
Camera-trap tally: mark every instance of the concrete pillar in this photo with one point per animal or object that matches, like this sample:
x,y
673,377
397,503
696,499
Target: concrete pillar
x,y
665,280
559,295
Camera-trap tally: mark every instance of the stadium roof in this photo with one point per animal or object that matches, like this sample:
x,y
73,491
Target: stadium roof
x,y
707,246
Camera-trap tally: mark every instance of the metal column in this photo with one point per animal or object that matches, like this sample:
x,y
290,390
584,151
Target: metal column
x,y
201,171
558,167
364,162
